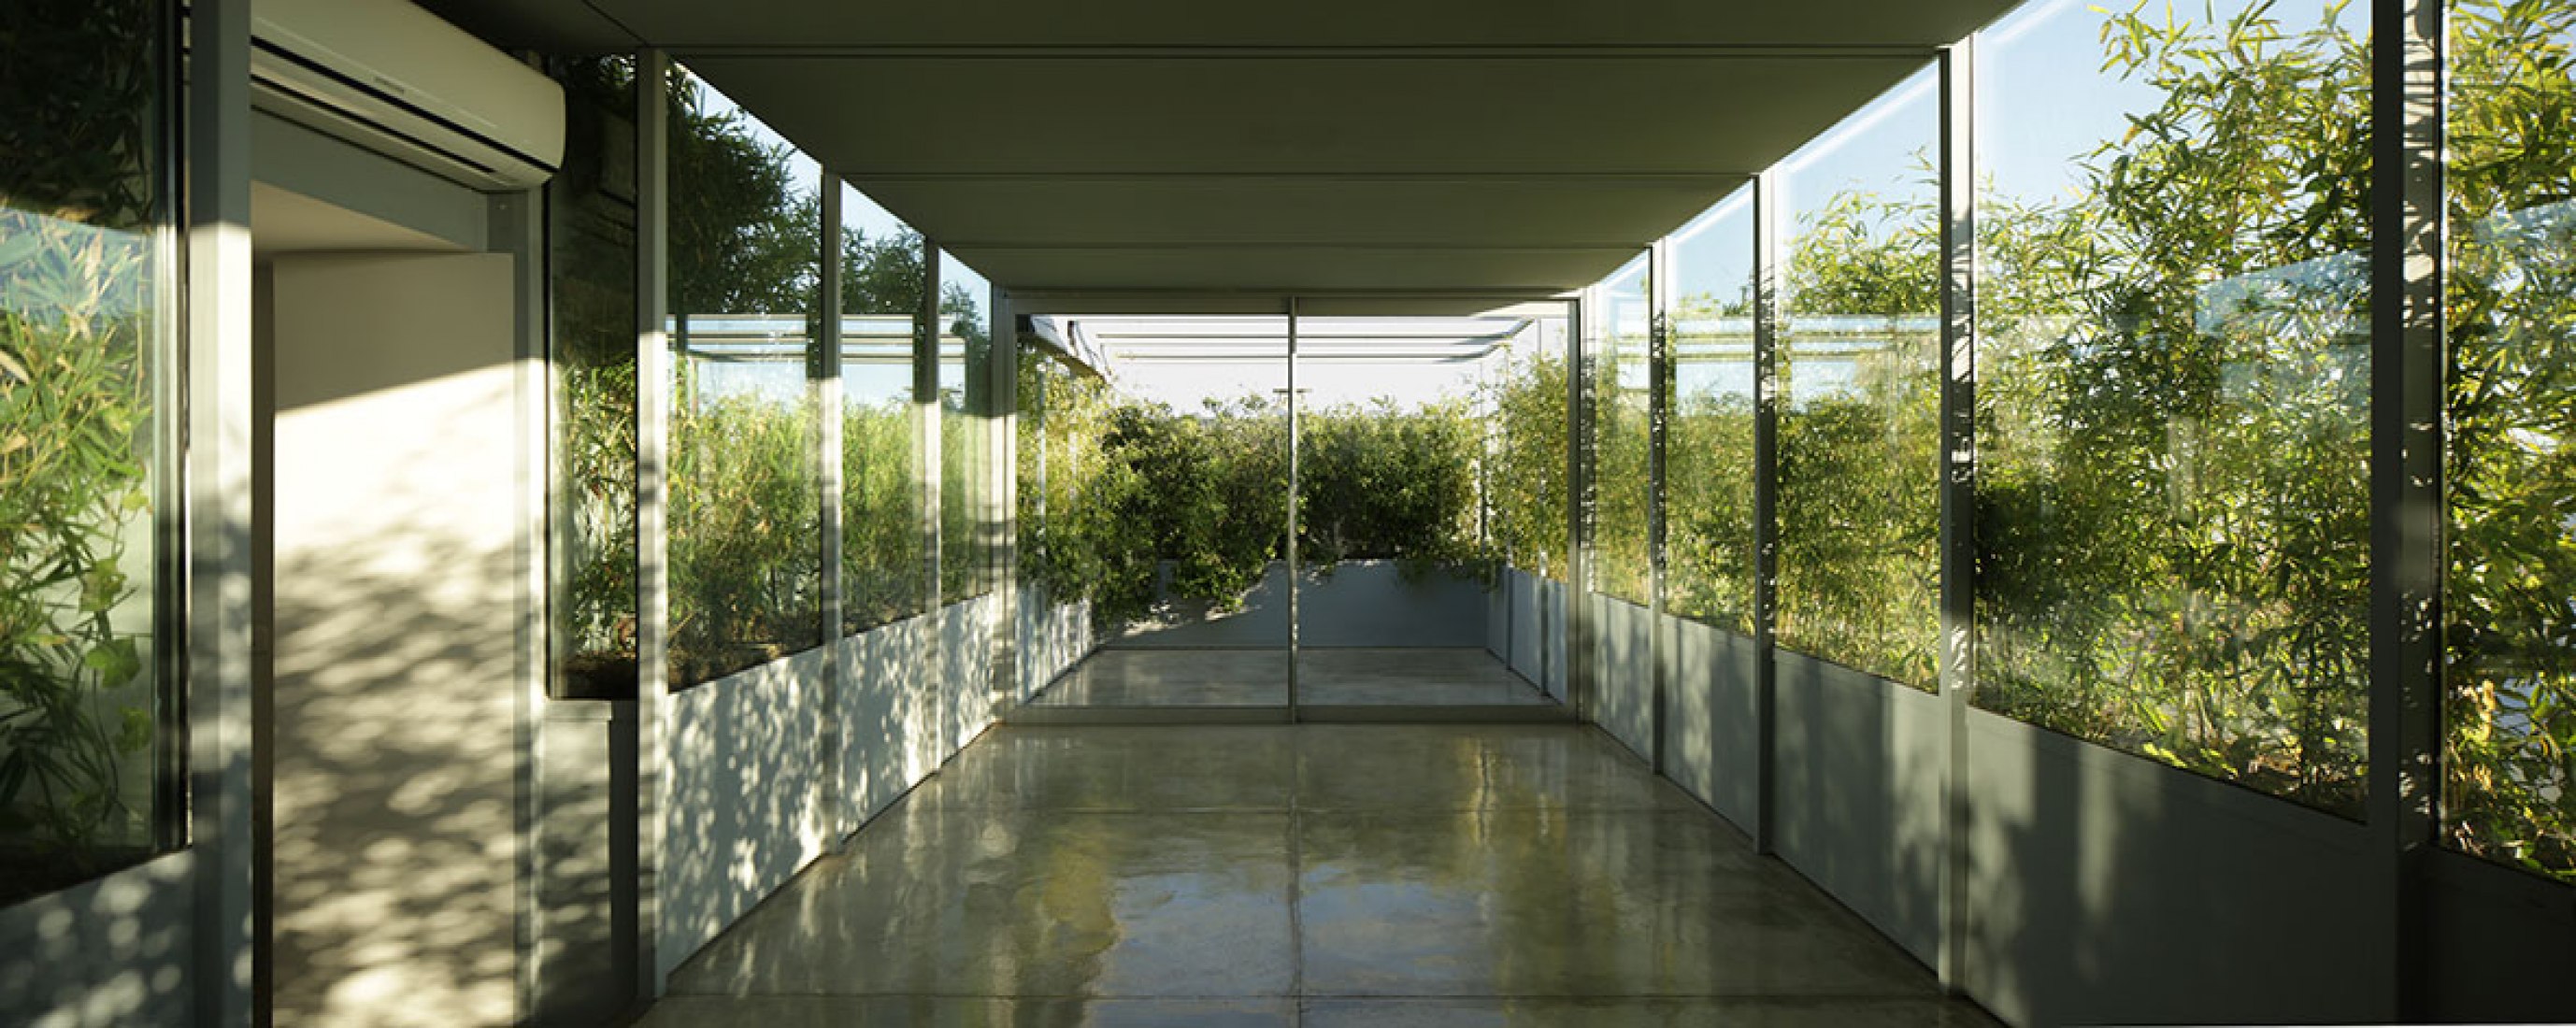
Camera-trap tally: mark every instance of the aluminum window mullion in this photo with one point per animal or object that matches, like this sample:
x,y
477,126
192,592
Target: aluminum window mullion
x,y
2407,522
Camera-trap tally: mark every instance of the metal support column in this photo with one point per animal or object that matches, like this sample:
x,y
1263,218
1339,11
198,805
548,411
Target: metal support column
x,y
221,461
2407,555
832,795
1002,492
1766,504
1292,510
1578,506
1957,447
927,469
1659,382
652,494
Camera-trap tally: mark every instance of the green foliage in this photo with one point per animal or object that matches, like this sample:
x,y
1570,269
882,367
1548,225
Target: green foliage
x,y
2511,702
1072,486
746,529
1382,481
1525,520
2172,522
883,543
591,281
965,553
1112,489
744,547
1709,509
1859,578
1622,442
79,312
746,237
1208,496
962,548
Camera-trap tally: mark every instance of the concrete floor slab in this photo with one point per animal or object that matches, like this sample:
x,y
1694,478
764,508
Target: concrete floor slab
x,y
1173,678
1315,874
1372,676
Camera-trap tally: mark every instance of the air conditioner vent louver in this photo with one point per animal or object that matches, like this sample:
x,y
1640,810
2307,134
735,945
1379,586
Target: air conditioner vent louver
x,y
393,78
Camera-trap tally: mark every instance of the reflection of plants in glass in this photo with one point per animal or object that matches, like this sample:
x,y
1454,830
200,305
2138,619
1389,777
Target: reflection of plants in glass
x,y
78,205
598,465
963,549
1072,488
591,238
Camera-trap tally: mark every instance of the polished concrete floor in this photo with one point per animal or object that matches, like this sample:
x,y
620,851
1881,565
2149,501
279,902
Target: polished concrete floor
x,y
1308,875
1145,677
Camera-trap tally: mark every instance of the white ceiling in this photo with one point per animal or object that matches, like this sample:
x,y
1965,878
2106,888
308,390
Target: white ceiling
x,y
1180,154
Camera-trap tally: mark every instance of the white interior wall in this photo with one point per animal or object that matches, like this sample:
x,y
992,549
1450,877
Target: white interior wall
x,y
398,564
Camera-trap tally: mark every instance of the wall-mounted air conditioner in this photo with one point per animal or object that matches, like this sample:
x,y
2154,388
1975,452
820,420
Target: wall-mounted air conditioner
x,y
395,79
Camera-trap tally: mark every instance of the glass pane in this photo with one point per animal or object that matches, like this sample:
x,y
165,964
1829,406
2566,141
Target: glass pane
x,y
590,220
1165,450
1859,513
1621,434
1525,395
85,286
2173,384
1708,458
2511,701
1394,606
746,486
1064,473
885,546
965,351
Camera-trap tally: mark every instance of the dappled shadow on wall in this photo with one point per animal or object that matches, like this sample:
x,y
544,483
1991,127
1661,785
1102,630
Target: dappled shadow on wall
x,y
397,607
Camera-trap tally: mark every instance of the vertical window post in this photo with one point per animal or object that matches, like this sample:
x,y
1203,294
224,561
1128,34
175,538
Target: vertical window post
x,y
2407,552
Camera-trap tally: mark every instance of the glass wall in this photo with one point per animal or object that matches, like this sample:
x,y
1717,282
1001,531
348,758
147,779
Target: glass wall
x,y
745,548
1622,369
965,351
885,546
1391,446
1708,452
1160,462
87,704
2511,673
1063,420
1525,394
1859,512
2173,386
590,281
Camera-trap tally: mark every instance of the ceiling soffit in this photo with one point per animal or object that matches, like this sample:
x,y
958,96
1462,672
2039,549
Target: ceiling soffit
x,y
1178,148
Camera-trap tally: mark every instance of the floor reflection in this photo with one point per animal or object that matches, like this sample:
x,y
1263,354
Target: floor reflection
x,y
1353,676
1328,875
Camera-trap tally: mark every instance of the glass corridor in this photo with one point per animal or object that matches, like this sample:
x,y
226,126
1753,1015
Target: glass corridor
x,y
1158,461
2068,506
